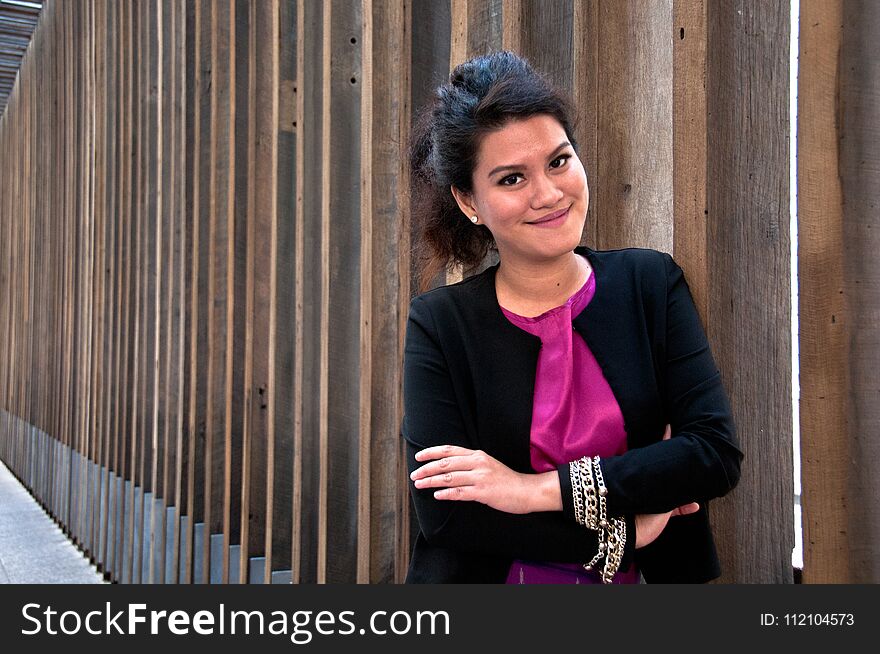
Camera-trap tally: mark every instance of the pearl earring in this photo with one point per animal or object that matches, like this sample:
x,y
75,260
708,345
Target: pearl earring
x,y
474,219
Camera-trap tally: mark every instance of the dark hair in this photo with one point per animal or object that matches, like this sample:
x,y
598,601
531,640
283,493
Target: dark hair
x,y
482,95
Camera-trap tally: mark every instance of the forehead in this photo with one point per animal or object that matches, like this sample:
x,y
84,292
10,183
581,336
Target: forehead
x,y
520,140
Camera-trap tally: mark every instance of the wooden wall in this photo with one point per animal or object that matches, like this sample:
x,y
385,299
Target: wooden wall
x,y
205,270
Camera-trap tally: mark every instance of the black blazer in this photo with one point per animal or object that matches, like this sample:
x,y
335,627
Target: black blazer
x,y
469,379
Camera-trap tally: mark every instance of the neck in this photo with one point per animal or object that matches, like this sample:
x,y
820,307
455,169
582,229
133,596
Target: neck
x,y
537,285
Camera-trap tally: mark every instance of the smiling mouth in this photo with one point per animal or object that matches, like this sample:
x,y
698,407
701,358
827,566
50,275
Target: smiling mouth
x,y
550,217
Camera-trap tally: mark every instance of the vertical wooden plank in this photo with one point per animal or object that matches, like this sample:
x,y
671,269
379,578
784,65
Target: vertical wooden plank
x,y
132,292
547,39
458,52
634,178
166,326
116,399
288,223
430,62
458,31
839,288
511,29
178,298
344,290
108,27
220,280
296,546
193,371
860,187
226,174
98,79
151,90
159,323
390,116
585,94
201,311
262,255
189,292
308,470
485,32
252,470
822,306
750,332
689,146
366,322
241,96
142,274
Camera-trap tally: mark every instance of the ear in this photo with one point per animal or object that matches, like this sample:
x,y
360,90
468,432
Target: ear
x,y
465,202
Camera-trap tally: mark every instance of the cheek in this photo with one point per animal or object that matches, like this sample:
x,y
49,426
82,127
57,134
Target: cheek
x,y
577,181
503,207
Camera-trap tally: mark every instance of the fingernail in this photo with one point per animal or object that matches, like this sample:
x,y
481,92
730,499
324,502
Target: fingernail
x,y
412,475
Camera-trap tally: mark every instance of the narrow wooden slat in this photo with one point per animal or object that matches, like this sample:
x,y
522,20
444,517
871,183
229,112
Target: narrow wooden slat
x,y
458,53
288,223
108,26
389,116
153,257
547,38
194,222
307,491
366,322
748,318
240,98
224,173
262,245
689,146
839,288
201,312
430,63
823,308
585,95
511,28
323,298
180,300
346,291
485,26
297,519
635,123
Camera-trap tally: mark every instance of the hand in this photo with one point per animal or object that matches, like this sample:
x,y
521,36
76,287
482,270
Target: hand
x,y
473,475
650,525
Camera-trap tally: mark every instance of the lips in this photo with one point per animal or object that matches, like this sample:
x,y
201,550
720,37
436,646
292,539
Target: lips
x,y
551,219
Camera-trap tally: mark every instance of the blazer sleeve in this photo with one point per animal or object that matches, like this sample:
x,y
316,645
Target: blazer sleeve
x,y
433,416
702,459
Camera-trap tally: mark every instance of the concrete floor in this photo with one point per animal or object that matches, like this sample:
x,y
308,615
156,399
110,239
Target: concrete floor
x,y
33,549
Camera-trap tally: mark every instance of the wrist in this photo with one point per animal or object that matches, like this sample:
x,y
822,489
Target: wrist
x,y
545,494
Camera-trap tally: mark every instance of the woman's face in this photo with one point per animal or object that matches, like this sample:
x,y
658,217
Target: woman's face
x,y
529,189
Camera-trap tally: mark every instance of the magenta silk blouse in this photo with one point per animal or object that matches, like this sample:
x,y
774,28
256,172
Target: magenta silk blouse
x,y
575,414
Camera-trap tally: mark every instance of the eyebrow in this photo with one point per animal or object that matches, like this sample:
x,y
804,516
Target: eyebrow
x,y
499,169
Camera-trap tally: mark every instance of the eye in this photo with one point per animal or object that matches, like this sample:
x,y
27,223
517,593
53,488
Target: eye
x,y
560,161
510,180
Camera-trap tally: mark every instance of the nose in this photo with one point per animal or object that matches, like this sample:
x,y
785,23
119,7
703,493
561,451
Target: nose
x,y
545,192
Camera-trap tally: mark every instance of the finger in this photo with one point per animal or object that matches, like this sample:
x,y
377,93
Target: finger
x,y
446,480
438,451
687,509
456,493
446,464
667,434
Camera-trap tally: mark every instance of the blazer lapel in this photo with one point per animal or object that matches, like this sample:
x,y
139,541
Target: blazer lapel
x,y
505,360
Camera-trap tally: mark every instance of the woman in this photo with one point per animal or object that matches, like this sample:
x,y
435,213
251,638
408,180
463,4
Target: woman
x,y
565,421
